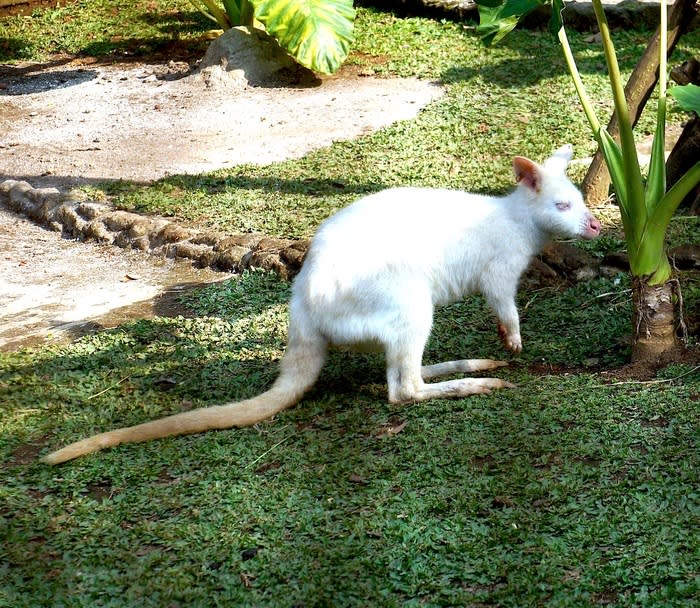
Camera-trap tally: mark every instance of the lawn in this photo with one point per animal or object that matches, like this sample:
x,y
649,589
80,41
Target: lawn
x,y
577,488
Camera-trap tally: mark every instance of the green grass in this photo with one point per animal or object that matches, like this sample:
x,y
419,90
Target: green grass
x,y
119,29
578,488
574,489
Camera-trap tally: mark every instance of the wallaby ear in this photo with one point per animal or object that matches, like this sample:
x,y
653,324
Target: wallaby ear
x,y
560,158
527,172
566,152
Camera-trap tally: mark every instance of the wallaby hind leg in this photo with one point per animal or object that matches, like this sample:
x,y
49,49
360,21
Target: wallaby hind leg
x,y
405,378
462,387
463,366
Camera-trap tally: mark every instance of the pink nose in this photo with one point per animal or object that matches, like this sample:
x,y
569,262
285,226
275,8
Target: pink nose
x,y
593,228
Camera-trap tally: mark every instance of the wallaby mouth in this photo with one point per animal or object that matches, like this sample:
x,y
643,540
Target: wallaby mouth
x,y
591,229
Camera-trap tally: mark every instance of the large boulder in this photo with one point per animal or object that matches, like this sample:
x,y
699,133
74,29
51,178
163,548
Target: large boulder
x,y
247,56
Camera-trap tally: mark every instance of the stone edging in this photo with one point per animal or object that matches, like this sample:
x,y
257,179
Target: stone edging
x,y
85,219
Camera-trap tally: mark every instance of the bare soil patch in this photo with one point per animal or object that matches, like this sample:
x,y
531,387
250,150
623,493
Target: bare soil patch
x,y
85,120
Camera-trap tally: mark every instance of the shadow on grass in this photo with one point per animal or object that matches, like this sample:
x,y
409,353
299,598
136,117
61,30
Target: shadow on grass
x,y
226,346
213,183
539,57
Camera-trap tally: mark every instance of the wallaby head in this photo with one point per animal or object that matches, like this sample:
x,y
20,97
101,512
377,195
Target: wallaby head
x,y
556,205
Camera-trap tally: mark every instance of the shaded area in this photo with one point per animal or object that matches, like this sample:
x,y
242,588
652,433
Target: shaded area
x,y
22,82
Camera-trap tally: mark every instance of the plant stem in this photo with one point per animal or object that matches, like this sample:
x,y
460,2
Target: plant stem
x,y
247,13
213,12
634,203
663,46
578,83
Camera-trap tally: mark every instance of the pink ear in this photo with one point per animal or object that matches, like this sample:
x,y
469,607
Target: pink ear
x,y
527,172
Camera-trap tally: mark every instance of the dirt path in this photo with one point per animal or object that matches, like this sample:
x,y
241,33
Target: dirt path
x,y
54,289
142,122
78,122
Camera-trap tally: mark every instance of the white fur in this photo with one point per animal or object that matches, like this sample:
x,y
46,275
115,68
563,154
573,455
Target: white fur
x,y
374,274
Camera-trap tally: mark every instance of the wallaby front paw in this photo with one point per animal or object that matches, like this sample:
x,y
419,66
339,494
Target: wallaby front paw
x,y
511,342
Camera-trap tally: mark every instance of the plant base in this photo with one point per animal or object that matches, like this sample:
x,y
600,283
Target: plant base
x,y
654,319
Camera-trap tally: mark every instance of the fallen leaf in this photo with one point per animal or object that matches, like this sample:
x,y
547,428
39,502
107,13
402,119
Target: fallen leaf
x,y
247,579
389,430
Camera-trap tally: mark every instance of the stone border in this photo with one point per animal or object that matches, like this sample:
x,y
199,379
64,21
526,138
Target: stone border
x,y
81,219
85,219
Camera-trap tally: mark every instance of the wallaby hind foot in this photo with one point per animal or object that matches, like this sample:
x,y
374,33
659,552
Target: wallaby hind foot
x,y
463,366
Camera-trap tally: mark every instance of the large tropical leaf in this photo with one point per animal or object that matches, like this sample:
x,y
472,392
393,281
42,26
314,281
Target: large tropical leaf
x,y
656,178
497,18
688,97
317,33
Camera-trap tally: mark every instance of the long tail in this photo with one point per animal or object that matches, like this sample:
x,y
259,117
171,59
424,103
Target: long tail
x,y
300,368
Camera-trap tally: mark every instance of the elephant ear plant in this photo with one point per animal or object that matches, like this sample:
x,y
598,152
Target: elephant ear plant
x,y
317,33
645,206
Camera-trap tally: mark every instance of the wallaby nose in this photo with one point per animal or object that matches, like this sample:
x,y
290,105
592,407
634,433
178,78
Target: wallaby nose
x,y
593,228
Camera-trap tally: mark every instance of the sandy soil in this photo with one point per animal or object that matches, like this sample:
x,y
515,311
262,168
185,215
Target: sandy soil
x,y
142,122
74,122
54,289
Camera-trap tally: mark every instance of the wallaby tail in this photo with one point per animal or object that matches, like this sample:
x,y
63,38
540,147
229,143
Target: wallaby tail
x,y
299,369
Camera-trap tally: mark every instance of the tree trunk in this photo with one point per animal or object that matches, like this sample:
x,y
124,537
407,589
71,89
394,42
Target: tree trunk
x,y
639,87
686,152
654,320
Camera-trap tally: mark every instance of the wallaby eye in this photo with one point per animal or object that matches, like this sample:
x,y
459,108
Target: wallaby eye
x,y
563,205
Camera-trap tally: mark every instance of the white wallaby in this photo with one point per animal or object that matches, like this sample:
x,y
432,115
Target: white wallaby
x,y
418,248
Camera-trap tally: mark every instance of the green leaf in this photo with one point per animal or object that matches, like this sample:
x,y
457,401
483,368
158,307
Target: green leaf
x,y
317,33
211,10
556,22
233,10
493,27
687,96
669,203
616,166
656,180
497,18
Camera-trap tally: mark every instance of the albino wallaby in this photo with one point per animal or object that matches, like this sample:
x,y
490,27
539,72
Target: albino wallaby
x,y
418,248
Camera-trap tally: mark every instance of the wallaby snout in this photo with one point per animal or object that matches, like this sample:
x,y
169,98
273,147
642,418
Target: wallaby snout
x,y
592,228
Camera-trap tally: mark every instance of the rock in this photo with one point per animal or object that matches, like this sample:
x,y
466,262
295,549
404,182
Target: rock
x,y
616,259
569,260
246,56
685,257
539,275
249,241
273,244
229,259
